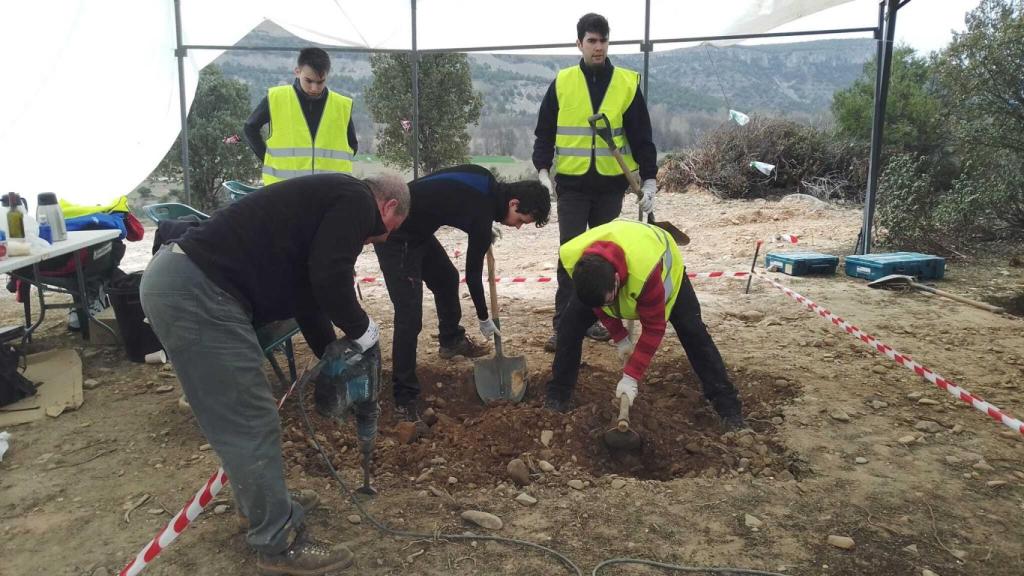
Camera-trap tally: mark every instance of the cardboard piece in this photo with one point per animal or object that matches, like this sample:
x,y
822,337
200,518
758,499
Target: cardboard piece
x,y
58,377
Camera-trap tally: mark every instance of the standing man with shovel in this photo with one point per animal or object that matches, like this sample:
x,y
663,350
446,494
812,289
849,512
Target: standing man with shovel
x,y
634,271
590,183
469,198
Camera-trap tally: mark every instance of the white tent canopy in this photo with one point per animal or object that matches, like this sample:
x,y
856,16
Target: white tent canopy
x,y
92,101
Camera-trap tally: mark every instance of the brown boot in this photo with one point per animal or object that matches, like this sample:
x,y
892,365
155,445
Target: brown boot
x,y
464,347
305,557
308,499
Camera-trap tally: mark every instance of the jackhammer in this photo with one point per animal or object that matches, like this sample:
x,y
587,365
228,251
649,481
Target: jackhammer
x,y
348,382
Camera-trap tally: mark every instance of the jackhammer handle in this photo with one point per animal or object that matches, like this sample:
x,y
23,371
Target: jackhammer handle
x,y
623,424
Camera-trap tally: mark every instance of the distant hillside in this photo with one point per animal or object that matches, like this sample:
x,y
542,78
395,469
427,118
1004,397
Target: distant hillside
x,y
690,88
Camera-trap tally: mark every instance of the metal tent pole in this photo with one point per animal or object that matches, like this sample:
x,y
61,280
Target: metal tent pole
x,y
180,54
415,99
647,47
882,78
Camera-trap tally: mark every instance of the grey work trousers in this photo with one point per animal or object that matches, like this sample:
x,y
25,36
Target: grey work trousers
x,y
210,339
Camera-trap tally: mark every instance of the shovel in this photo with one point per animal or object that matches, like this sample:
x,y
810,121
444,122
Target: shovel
x,y
605,132
907,282
621,437
498,378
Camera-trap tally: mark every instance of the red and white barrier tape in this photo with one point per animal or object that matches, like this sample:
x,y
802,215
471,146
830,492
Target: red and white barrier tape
x,y
791,238
905,361
189,512
546,279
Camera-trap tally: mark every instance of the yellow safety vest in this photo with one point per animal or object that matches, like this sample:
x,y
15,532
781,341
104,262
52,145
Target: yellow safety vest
x,y
291,150
575,141
645,246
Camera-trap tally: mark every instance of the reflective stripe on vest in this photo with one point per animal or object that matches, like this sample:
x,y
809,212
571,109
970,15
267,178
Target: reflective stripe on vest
x,y
291,151
576,145
645,246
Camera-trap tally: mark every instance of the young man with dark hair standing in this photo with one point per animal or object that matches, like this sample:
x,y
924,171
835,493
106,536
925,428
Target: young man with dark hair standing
x,y
634,271
589,184
469,198
286,250
311,129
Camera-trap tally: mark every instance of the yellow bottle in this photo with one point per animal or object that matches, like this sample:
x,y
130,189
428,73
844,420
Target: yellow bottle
x,y
15,219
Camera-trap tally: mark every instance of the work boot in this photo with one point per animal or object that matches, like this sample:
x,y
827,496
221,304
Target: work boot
x,y
734,422
556,405
552,344
464,347
407,412
598,332
306,557
308,499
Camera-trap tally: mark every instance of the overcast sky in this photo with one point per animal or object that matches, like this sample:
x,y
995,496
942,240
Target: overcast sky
x,y
926,25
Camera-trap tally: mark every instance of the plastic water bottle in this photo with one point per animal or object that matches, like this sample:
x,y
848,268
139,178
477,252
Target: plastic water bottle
x,y
45,232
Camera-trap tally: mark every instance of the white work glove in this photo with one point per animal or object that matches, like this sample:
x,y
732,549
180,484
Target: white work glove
x,y
627,387
370,337
488,328
649,187
545,179
495,233
624,348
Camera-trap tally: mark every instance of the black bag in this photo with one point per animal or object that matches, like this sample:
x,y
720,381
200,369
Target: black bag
x,y
13,386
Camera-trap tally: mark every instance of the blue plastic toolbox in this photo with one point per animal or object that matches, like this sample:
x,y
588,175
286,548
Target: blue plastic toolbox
x,y
802,263
875,266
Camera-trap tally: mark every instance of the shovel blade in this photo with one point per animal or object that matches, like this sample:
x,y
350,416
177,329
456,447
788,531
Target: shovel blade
x,y
678,235
500,378
628,441
893,281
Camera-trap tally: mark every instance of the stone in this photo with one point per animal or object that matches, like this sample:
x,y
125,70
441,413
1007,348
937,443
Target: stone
x,y
860,460
354,519
483,519
437,461
518,472
929,426
839,414
927,572
908,439
982,465
452,480
546,436
777,420
90,383
618,483
952,460
995,483
927,402
183,404
204,448
545,466
912,549
785,476
164,388
751,315
407,432
525,499
879,369
914,396
841,542
220,508
878,404
575,484
752,521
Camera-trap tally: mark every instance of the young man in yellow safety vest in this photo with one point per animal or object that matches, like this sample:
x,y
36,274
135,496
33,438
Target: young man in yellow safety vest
x,y
589,183
634,271
311,129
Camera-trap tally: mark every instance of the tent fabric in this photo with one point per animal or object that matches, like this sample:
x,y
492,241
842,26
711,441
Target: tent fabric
x,y
92,100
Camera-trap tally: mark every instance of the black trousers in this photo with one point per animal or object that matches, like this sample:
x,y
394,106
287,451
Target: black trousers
x,y
407,265
579,210
693,334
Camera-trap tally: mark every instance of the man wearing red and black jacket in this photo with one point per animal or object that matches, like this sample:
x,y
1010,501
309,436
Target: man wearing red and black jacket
x,y
631,270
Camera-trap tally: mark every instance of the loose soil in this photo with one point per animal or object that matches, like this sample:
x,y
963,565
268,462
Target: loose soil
x,y
843,441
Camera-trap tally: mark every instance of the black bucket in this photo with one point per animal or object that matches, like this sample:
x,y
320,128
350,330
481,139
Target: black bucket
x,y
137,335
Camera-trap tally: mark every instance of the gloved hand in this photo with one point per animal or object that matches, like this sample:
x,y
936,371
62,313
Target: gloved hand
x,y
488,328
649,187
624,348
370,337
628,387
495,233
545,179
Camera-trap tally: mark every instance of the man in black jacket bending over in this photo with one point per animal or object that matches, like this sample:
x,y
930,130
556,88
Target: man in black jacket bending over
x,y
469,198
286,250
